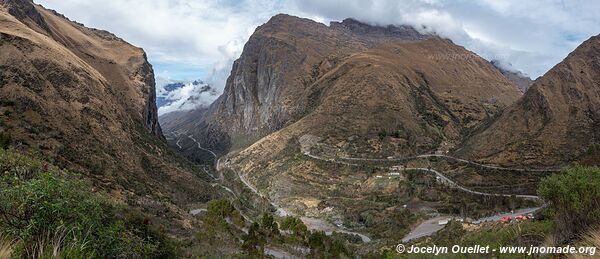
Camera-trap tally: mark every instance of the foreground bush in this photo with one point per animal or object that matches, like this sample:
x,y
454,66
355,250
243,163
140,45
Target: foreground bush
x,y
574,197
53,213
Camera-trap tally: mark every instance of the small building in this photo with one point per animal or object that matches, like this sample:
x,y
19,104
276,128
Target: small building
x,y
397,168
506,219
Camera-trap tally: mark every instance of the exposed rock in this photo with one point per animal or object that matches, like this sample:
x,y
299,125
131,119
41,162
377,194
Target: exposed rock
x,y
290,66
555,121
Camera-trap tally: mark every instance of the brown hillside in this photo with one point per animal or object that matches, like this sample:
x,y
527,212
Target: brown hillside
x,y
348,89
286,70
86,100
555,122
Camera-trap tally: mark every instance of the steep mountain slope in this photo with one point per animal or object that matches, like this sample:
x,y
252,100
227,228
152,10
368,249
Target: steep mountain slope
x,y
86,100
280,78
344,90
555,121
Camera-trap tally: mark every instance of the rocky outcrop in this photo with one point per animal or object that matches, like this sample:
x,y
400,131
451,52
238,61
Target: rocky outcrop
x,y
556,120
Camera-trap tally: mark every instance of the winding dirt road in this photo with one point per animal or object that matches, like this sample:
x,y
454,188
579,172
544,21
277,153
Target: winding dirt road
x,y
441,177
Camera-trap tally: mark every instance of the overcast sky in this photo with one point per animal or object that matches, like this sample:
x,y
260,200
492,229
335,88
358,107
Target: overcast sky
x,y
199,39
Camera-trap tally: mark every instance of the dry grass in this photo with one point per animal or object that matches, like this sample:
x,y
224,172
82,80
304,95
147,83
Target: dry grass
x,y
7,247
591,240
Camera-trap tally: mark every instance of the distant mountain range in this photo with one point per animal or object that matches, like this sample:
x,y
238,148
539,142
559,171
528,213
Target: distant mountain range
x,y
183,95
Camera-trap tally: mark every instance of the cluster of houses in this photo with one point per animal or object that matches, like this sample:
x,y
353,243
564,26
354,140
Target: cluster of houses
x,y
508,219
394,172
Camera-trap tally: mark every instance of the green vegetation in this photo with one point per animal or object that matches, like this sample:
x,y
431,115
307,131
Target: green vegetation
x,y
320,244
495,235
295,225
54,213
5,140
382,134
395,134
572,217
254,241
593,149
574,197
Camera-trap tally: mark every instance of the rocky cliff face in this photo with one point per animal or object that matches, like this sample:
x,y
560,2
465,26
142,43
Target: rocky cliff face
x,y
277,79
345,90
555,121
85,99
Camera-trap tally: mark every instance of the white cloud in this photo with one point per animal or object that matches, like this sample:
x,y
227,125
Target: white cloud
x,y
187,97
209,34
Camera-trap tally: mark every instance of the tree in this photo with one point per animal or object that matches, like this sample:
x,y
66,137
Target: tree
x,y
220,208
574,197
316,242
269,225
295,225
5,140
254,241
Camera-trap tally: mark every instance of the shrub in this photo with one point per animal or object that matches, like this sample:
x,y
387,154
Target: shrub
x,y
593,149
295,225
382,134
220,208
5,140
574,196
254,241
47,210
323,246
269,225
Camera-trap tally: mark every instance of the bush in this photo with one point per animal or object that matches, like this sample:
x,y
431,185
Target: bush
x,y
269,225
382,134
295,225
593,149
48,209
574,196
323,246
220,208
5,140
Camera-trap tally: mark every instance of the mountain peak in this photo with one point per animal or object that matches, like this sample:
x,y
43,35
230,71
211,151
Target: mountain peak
x,y
25,11
401,32
556,119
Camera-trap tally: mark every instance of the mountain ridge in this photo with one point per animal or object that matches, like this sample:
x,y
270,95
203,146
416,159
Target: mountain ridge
x,y
554,122
258,82
85,100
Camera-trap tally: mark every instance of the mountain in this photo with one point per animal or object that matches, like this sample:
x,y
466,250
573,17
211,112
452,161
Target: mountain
x,y
84,99
302,88
554,122
522,81
177,96
293,68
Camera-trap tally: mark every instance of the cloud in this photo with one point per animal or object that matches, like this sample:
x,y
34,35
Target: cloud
x,y
207,35
201,35
173,95
531,35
